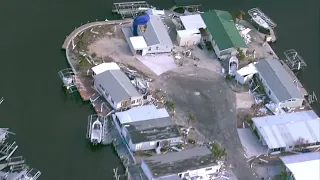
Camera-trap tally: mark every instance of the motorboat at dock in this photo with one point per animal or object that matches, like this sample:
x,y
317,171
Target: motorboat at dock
x,y
95,129
263,23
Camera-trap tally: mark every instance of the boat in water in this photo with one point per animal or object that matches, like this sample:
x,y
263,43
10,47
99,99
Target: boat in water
x,y
263,23
96,132
95,129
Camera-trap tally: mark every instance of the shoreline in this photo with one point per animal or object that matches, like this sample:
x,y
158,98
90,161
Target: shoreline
x,y
82,28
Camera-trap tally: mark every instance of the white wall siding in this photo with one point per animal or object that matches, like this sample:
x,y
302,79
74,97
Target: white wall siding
x,y
146,170
202,171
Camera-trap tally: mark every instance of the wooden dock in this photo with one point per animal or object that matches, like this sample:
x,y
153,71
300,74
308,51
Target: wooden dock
x,y
256,43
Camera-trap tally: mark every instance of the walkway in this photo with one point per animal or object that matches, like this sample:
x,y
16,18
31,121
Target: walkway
x,y
86,26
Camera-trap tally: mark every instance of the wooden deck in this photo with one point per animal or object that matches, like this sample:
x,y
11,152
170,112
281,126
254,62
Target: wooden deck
x,y
257,41
84,86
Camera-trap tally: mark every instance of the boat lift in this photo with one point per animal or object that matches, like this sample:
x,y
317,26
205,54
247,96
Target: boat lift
x,y
130,9
293,60
6,150
106,137
70,80
257,12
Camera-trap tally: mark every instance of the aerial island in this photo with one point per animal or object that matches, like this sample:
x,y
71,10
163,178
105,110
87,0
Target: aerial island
x,y
184,94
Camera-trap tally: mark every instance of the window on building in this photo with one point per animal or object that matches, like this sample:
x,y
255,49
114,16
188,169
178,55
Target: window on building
x,y
101,87
133,101
149,49
290,146
208,169
157,48
269,92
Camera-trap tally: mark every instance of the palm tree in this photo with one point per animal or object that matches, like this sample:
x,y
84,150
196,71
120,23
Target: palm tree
x,y
283,175
237,16
170,105
217,152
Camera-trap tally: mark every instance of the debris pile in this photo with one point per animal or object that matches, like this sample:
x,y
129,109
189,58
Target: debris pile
x,y
184,55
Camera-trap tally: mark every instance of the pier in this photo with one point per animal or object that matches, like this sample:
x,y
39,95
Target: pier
x,y
130,9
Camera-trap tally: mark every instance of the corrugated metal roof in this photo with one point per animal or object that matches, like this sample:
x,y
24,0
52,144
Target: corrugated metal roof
x,y
117,84
221,26
278,79
303,166
156,32
285,129
141,113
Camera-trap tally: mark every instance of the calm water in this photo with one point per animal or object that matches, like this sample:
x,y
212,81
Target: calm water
x,y
50,127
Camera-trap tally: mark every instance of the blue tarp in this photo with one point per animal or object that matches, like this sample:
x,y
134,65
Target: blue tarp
x,y
139,20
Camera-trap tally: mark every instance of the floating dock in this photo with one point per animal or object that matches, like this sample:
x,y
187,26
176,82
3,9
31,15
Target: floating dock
x,y
130,9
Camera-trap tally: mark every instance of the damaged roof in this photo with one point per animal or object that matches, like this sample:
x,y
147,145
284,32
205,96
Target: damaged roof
x,y
151,130
177,162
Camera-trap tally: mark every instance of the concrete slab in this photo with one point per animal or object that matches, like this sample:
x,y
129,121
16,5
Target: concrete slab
x,y
159,63
250,143
244,100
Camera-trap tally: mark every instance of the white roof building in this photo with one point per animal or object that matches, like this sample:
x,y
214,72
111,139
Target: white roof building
x,y
193,22
303,166
105,67
141,113
190,34
284,130
138,42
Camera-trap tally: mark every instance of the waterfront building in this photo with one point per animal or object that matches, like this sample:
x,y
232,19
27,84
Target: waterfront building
x,y
146,128
149,36
189,33
115,86
278,84
289,131
223,34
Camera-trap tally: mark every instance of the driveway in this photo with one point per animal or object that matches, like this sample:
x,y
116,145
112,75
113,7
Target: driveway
x,y
207,96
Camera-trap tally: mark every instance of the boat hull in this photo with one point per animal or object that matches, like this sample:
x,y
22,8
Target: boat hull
x,y
260,28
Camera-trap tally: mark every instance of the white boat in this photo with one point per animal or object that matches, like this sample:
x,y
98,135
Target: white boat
x,y
233,65
1,100
96,132
261,21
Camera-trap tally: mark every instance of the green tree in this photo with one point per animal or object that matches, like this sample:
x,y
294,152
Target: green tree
x,y
283,175
218,152
237,16
170,105
191,118
240,54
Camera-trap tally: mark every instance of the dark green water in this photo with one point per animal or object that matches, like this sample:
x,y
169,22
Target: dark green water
x,y
50,127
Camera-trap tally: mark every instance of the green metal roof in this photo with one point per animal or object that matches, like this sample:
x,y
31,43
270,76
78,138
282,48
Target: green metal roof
x,y
223,30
